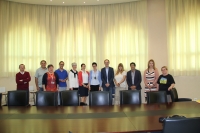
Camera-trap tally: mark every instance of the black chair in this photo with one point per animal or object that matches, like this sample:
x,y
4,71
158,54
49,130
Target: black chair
x,y
156,97
0,99
98,98
69,98
46,98
18,98
174,96
130,97
181,125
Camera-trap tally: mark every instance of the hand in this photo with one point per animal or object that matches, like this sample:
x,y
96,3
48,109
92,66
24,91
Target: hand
x,y
169,88
25,82
118,84
133,87
107,85
38,88
71,88
99,88
89,88
21,80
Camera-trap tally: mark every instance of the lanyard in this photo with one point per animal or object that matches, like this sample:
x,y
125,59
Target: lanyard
x,y
51,75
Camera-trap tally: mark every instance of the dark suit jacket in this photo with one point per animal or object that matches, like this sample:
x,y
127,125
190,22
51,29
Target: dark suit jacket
x,y
137,79
110,76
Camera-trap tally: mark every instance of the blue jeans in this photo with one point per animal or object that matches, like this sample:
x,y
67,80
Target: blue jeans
x,y
110,90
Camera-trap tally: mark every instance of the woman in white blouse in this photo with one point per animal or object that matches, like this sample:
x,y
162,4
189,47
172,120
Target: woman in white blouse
x,y
120,82
73,77
83,79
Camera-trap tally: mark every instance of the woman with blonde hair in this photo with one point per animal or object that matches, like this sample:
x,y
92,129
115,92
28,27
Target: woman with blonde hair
x,y
120,82
151,75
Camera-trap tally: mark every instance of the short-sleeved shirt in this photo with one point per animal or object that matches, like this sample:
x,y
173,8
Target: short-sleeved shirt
x,y
39,74
165,82
62,75
119,78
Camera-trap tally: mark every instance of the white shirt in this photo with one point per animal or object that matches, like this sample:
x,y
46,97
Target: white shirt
x,y
85,77
119,78
73,81
22,72
95,80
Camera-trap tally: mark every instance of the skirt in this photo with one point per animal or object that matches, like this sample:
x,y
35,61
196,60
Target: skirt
x,y
83,91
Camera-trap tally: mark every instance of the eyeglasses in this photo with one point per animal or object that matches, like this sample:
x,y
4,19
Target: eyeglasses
x,y
61,64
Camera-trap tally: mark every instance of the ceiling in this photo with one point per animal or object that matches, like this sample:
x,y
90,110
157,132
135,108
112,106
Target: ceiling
x,y
72,2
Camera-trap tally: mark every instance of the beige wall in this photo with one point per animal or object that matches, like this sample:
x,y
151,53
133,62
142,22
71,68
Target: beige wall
x,y
187,86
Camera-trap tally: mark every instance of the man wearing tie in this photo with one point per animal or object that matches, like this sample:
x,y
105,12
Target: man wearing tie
x,y
133,78
107,76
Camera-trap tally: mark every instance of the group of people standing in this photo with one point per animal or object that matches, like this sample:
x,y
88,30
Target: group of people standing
x,y
46,79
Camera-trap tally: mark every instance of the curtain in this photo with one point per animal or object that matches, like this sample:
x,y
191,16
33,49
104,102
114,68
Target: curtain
x,y
81,34
183,21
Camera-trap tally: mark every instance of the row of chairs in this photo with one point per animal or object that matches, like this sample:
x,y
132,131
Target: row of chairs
x,y
71,98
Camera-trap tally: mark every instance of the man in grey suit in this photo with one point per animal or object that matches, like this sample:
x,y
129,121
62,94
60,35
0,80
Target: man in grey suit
x,y
133,78
107,76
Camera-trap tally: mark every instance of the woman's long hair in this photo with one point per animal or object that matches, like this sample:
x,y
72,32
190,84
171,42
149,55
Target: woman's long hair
x,y
119,71
154,65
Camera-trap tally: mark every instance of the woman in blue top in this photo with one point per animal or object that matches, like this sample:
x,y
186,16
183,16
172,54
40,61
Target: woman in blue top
x,y
95,78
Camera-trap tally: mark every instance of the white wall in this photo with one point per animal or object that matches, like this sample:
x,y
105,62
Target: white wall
x,y
188,86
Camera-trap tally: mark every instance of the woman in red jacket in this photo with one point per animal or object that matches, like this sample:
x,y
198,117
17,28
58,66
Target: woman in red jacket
x,y
83,79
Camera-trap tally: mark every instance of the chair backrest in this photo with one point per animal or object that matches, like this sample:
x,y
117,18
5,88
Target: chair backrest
x,y
46,98
31,88
2,89
0,98
98,98
156,97
18,98
130,97
69,98
181,125
174,95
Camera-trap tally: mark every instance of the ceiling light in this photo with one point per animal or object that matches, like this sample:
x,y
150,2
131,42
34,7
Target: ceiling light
x,y
83,2
63,2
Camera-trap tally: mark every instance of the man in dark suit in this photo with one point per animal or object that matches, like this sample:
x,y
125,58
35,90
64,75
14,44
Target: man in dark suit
x,y
107,76
133,78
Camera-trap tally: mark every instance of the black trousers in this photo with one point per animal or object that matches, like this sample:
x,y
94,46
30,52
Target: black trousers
x,y
94,87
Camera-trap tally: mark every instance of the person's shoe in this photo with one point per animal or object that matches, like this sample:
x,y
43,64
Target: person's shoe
x,y
85,104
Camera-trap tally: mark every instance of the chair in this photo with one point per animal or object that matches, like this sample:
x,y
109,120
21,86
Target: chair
x,y
69,98
130,97
181,125
3,91
32,91
99,98
174,96
46,98
156,97
18,98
